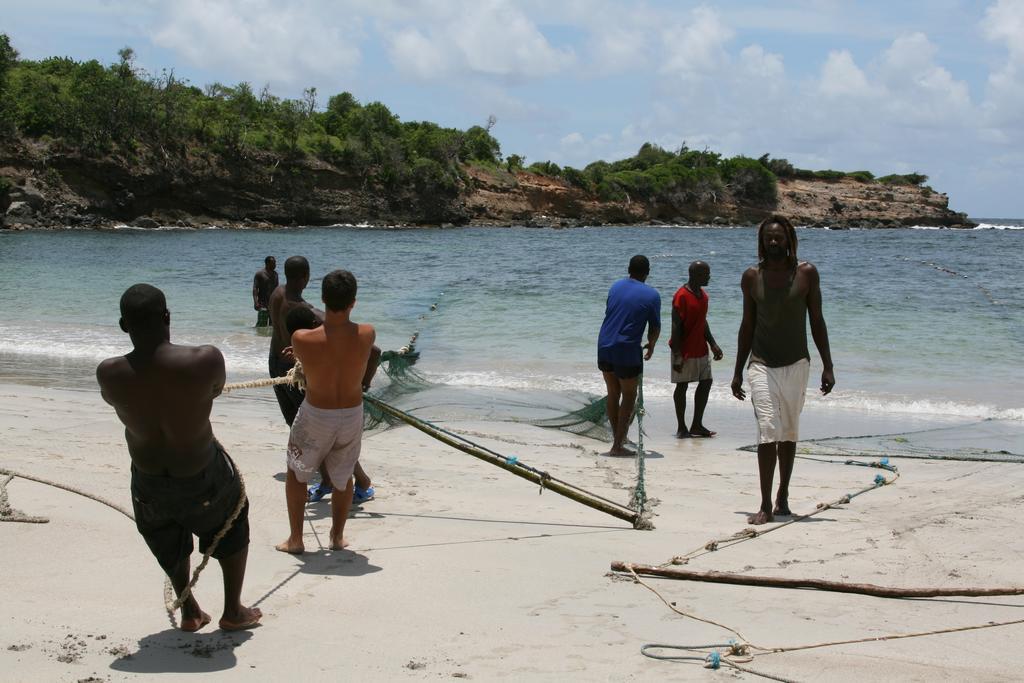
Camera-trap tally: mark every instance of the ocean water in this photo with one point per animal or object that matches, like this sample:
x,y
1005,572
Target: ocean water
x,y
923,323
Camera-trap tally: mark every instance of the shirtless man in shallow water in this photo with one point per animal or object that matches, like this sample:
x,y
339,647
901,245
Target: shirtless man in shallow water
x,y
338,359
183,483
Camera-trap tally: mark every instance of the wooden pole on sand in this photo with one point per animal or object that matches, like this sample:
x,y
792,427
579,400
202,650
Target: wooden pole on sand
x,y
816,584
562,488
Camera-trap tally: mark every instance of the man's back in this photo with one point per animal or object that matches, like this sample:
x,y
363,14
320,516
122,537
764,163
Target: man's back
x,y
334,358
631,305
164,399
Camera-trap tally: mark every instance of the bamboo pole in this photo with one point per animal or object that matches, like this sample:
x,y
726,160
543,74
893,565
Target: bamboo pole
x,y
816,584
578,495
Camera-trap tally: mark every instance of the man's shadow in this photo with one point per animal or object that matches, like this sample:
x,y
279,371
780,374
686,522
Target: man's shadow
x,y
173,651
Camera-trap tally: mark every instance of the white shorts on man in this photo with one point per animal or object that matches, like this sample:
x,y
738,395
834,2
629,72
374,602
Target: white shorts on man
x,y
778,397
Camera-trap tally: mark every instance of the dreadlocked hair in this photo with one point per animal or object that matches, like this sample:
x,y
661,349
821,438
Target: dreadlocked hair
x,y
777,219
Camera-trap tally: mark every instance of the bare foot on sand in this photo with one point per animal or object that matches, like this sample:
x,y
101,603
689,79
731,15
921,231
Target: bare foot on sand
x,y
246,617
760,517
701,432
193,619
782,507
682,434
339,543
291,546
621,452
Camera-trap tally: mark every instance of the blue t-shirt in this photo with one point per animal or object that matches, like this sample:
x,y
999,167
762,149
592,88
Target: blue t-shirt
x,y
631,305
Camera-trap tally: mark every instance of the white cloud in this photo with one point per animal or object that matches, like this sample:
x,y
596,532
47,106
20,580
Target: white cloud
x,y
492,38
260,40
573,139
1004,23
756,63
617,48
1004,96
696,49
917,84
415,55
841,77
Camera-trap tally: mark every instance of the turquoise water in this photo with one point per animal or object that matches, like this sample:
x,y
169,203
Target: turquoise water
x,y
922,322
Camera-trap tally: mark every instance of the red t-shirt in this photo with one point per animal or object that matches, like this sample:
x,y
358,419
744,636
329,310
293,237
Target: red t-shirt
x,y
693,314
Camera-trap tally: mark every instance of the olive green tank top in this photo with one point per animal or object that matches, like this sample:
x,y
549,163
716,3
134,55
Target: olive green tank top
x,y
780,333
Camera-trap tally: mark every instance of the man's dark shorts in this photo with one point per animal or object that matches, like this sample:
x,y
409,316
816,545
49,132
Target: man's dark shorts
x,y
169,510
621,371
289,397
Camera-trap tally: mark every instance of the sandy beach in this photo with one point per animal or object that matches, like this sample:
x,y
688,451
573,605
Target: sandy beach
x,y
459,570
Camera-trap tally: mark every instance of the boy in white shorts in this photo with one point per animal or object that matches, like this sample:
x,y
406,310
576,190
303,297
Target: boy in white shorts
x,y
337,358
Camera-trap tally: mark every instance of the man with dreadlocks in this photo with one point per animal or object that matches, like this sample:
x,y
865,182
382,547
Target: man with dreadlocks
x,y
779,295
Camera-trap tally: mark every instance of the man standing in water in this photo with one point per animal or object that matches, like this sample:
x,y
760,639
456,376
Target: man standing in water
x,y
183,483
689,342
631,305
263,285
328,430
289,397
779,294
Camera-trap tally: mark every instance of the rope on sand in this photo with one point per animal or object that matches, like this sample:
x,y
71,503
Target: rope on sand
x,y
744,651
750,532
65,487
748,650
9,514
169,602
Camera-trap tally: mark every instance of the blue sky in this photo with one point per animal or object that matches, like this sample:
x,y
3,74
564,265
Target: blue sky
x,y
935,87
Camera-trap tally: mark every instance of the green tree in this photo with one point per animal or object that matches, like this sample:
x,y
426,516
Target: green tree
x,y
8,58
479,145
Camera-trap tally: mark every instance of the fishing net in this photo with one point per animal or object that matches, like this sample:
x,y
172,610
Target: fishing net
x,y
985,441
578,413
590,420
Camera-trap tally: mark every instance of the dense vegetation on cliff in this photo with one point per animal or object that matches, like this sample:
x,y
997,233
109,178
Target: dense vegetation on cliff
x,y
118,108
119,111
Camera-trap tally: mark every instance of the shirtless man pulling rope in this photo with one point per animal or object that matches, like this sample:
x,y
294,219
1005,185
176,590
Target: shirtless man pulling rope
x,y
183,482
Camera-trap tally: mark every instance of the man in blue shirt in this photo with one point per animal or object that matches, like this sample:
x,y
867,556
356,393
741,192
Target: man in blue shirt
x,y
631,306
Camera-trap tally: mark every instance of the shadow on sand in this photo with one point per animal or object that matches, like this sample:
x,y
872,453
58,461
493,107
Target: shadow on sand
x,y
172,651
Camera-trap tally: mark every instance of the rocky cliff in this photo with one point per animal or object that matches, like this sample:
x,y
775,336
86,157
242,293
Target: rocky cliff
x,y
42,186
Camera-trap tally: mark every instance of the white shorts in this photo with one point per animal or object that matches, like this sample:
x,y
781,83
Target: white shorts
x,y
691,369
333,437
778,397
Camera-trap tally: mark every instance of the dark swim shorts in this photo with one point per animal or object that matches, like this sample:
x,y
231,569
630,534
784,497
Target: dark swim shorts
x,y
621,371
289,396
169,510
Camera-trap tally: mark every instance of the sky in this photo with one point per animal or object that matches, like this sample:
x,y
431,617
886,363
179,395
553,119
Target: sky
x,y
929,86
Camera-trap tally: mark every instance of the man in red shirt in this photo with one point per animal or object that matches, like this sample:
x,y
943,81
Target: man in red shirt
x,y
691,336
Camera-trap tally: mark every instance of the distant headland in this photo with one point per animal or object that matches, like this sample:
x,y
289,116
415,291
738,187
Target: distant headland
x,y
91,146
